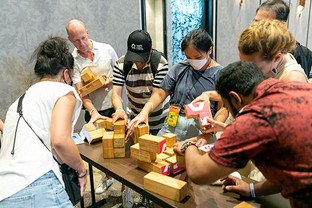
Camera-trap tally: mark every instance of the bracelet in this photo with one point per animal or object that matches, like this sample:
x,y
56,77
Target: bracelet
x,y
120,109
252,190
90,112
84,175
151,104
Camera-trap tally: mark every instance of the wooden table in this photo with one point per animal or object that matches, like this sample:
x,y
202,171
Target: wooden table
x,y
126,171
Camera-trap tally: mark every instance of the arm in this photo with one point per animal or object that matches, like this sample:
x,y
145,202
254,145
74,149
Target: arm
x,y
201,169
207,96
157,97
87,103
117,103
1,125
62,143
237,185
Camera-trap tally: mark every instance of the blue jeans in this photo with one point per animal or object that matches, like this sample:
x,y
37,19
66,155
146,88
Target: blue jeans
x,y
46,191
185,128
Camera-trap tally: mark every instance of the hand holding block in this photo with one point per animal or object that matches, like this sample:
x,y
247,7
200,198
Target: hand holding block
x,y
87,75
205,148
193,110
92,86
165,186
140,130
152,143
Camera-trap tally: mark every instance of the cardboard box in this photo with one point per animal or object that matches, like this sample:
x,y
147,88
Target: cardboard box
x,y
193,110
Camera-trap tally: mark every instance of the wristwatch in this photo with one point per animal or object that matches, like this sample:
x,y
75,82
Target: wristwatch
x,y
185,145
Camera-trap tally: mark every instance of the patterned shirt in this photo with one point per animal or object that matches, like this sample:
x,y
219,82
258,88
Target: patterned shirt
x,y
274,131
139,86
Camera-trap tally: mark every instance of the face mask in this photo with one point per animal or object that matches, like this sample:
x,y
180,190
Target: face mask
x,y
197,64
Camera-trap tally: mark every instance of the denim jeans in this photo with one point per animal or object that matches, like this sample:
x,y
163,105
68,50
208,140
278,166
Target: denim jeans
x,y
185,128
46,191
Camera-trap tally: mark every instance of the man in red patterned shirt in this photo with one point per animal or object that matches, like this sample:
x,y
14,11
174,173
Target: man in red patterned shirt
x,y
272,127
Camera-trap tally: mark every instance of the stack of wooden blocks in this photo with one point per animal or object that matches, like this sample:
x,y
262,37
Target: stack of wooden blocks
x,y
154,153
91,82
113,139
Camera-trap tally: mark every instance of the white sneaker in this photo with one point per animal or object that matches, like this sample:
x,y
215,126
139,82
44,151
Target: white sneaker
x,y
127,200
104,185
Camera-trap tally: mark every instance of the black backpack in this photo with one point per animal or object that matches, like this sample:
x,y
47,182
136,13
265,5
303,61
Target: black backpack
x,y
155,59
304,57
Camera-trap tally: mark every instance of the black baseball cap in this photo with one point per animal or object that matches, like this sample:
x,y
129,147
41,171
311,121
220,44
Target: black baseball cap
x,y
139,46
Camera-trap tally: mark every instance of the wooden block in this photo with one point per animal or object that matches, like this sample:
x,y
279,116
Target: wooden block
x,y
180,161
120,127
119,140
140,130
203,118
244,205
162,156
170,139
161,167
90,133
87,75
100,123
165,186
108,153
169,151
108,140
152,143
96,135
193,110
174,167
109,124
142,155
92,86
146,166
119,152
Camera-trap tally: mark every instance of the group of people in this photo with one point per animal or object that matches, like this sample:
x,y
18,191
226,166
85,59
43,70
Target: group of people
x,y
264,93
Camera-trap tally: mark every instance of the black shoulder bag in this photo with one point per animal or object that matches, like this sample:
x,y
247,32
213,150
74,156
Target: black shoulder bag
x,y
69,175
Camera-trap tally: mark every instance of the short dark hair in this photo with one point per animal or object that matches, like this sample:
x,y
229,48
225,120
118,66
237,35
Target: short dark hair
x,y
52,55
279,7
240,77
199,38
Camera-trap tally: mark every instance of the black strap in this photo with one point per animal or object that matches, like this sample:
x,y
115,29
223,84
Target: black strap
x,y
20,112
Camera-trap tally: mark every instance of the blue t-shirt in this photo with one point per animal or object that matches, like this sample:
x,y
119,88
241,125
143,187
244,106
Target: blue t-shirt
x,y
185,84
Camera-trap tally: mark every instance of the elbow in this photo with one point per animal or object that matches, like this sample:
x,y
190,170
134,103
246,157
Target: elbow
x,y
195,177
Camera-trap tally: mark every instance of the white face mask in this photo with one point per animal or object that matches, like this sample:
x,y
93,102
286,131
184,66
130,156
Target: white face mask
x,y
197,64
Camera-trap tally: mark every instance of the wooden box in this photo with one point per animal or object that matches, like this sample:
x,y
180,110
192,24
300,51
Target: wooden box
x,y
119,152
180,161
109,124
169,151
119,127
152,143
161,167
108,153
108,140
165,186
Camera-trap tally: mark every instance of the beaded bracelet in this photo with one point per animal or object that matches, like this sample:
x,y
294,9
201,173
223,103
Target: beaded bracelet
x,y
83,174
252,190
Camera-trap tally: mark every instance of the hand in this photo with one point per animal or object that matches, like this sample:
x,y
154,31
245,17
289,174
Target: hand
x,y
120,114
234,184
95,116
203,97
108,81
82,185
177,148
141,118
214,126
